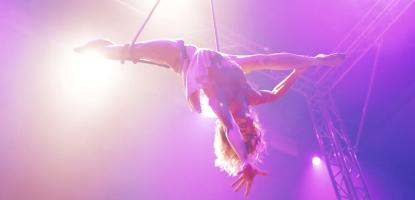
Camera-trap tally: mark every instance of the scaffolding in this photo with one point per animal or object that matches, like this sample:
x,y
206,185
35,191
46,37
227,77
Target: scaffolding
x,y
339,152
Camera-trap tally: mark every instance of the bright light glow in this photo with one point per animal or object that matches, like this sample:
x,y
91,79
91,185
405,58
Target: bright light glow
x,y
316,161
206,109
175,12
87,78
316,183
168,8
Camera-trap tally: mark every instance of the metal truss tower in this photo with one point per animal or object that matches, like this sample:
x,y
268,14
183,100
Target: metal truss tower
x,y
338,150
339,155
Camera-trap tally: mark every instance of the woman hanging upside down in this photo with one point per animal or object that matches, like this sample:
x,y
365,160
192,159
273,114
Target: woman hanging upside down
x,y
221,77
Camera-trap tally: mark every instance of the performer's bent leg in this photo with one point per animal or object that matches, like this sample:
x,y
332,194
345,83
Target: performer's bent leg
x,y
265,96
284,61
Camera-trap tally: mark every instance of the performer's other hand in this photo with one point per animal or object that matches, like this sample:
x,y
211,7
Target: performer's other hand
x,y
330,60
247,175
300,71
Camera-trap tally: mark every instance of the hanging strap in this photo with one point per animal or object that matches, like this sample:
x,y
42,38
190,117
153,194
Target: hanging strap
x,y
129,48
214,25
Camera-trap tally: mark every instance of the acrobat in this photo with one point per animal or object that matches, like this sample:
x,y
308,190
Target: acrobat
x,y
221,77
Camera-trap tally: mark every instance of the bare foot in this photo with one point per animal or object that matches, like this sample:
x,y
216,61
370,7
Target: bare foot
x,y
330,60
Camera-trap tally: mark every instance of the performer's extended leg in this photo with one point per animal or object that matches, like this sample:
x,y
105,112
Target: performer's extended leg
x,y
284,61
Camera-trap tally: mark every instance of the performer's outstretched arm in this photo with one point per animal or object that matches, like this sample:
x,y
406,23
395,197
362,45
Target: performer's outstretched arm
x,y
266,96
234,136
284,61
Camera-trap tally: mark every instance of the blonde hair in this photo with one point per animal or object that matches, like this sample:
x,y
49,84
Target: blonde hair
x,y
226,158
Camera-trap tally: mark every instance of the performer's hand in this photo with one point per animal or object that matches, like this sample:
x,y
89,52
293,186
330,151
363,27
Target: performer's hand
x,y
93,45
247,175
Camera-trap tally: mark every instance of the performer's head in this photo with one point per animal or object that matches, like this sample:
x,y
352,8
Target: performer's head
x,y
226,157
93,45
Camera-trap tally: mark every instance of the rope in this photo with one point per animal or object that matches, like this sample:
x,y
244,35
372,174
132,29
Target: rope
x,y
365,105
148,18
214,25
145,23
138,34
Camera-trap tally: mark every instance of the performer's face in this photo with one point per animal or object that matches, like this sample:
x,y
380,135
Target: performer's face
x,y
249,134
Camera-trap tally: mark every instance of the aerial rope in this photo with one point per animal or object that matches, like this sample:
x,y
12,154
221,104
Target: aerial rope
x,y
130,47
214,25
145,23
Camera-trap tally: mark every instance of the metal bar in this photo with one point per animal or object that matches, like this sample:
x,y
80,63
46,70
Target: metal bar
x,y
358,39
313,109
369,92
376,39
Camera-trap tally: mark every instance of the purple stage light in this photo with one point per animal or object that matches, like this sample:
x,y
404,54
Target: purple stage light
x,y
316,161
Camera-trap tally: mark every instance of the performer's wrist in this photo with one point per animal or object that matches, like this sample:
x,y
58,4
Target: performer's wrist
x,y
246,164
126,52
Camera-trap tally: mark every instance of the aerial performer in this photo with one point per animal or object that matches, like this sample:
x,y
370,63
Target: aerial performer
x,y
221,77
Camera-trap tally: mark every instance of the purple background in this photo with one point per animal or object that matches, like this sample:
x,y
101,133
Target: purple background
x,y
137,139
